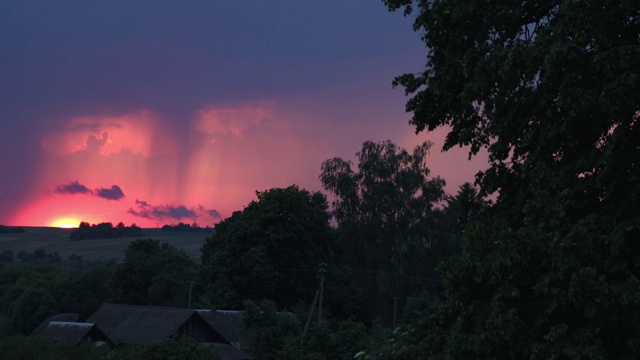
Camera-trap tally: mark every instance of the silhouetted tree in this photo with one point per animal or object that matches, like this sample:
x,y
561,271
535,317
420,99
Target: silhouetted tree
x,y
104,231
270,250
552,90
153,274
390,228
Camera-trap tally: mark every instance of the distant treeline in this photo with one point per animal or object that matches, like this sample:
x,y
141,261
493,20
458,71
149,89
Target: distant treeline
x,y
40,256
10,229
182,227
104,231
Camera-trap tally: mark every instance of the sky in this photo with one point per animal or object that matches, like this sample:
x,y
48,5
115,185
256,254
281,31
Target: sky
x,y
159,112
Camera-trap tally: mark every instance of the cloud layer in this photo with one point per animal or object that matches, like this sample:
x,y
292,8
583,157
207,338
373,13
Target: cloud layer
x,y
171,212
113,193
74,187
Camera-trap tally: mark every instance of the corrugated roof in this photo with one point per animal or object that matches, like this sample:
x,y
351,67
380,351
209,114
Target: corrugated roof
x,y
227,322
128,324
70,323
72,317
71,332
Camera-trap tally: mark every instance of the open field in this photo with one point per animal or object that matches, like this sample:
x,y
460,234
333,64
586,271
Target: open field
x,y
57,240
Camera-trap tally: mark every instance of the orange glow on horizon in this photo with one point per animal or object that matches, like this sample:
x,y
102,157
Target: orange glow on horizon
x,y
69,211
66,223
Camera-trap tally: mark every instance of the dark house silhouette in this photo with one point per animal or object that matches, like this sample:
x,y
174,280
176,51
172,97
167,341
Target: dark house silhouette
x,y
129,324
69,329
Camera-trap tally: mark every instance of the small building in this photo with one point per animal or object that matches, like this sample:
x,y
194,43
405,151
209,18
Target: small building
x,y
227,322
68,329
142,325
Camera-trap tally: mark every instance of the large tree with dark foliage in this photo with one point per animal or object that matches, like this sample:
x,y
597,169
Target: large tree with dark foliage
x,y
153,274
552,90
391,232
269,250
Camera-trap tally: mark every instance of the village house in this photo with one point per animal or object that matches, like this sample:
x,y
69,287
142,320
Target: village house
x,y
119,325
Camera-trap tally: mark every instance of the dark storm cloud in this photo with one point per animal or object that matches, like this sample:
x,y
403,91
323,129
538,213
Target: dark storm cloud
x,y
113,193
147,211
214,214
73,187
142,203
178,212
162,212
78,60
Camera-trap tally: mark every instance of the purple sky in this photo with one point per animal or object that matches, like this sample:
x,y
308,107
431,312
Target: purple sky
x,y
163,111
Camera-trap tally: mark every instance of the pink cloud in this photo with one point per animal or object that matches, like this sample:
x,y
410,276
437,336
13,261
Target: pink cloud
x,y
231,121
139,132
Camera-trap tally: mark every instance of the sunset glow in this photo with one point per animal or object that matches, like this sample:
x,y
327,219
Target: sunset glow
x,y
156,124
66,223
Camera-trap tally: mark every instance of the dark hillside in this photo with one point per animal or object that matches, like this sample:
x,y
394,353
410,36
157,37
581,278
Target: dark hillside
x,y
56,240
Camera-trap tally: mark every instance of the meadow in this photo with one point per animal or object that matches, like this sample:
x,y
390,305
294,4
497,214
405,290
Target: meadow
x,y
56,240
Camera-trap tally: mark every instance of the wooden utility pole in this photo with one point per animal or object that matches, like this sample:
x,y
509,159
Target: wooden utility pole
x,y
190,288
321,276
306,325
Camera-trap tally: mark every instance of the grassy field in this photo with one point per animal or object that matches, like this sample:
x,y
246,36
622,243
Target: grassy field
x,y
57,240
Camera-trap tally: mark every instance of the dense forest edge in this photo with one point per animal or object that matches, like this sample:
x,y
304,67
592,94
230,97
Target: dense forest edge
x,y
183,227
106,230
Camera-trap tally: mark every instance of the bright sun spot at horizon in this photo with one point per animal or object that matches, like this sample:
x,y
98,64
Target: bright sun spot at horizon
x,y
66,223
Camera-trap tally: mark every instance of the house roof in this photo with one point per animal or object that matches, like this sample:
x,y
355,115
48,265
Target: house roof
x,y
72,317
60,317
227,322
70,332
128,324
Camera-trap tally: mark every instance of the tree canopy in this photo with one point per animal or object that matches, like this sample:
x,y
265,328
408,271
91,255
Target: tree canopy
x,y
552,90
269,250
390,227
153,274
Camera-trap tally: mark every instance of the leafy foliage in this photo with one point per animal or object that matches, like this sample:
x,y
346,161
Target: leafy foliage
x,y
153,274
552,90
548,83
270,250
170,349
37,348
31,293
265,329
39,256
42,348
390,228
